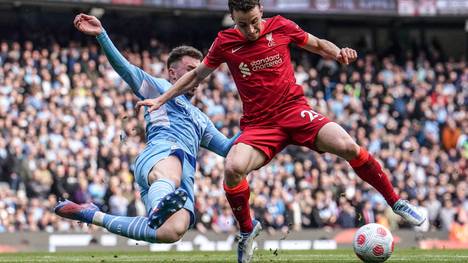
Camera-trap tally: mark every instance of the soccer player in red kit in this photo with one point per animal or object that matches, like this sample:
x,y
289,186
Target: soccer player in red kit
x,y
275,110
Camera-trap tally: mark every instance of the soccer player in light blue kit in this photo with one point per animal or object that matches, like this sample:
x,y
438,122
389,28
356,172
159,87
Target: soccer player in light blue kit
x,y
165,169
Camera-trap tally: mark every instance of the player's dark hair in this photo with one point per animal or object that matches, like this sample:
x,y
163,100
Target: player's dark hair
x,y
179,52
242,5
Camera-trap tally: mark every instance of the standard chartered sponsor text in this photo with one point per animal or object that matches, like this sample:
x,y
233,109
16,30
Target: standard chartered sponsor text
x,y
267,62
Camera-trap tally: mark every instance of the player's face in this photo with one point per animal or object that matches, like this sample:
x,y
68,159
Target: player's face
x,y
179,68
249,23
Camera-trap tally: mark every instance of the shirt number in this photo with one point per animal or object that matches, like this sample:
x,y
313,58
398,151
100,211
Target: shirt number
x,y
312,115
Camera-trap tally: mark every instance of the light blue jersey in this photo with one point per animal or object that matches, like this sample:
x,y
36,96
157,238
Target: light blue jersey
x,y
176,128
178,119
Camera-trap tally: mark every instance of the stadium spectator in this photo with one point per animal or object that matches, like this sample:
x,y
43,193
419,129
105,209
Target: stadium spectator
x,y
459,228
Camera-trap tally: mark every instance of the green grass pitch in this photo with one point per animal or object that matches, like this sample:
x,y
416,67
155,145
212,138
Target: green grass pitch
x,y
407,255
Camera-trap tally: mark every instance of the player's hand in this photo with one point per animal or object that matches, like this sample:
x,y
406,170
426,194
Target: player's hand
x,y
346,56
89,25
153,104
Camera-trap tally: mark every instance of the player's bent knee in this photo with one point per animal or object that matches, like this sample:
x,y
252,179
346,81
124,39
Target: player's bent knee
x,y
235,168
170,233
345,147
172,237
176,236
178,232
350,149
233,174
233,181
175,227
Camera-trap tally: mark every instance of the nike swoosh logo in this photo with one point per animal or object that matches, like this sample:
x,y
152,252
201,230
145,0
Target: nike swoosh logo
x,y
234,50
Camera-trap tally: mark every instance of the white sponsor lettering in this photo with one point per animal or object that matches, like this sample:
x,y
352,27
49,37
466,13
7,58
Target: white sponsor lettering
x,y
267,62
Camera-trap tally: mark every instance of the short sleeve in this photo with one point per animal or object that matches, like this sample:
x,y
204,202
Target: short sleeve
x,y
214,58
295,33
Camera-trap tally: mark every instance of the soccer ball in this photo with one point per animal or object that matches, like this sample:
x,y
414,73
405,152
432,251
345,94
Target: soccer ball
x,y
373,243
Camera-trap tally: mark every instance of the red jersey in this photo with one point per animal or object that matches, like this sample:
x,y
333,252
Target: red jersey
x,y
261,69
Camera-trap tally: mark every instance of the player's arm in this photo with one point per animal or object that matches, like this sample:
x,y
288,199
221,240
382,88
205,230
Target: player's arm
x,y
187,82
316,45
131,74
216,142
329,50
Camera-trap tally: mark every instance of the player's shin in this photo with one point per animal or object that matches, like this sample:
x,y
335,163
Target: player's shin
x,y
132,227
159,189
369,170
238,198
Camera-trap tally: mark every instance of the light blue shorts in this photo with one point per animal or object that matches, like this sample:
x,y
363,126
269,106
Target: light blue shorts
x,y
150,156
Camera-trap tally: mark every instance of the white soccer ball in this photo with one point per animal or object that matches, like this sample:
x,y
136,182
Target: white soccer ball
x,y
373,243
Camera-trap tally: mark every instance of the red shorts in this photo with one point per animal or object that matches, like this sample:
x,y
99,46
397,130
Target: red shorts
x,y
297,124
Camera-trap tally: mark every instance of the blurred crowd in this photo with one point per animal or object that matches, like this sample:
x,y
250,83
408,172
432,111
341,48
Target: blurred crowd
x,y
69,130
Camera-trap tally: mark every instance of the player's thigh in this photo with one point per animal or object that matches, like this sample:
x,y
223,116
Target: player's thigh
x,y
146,160
256,146
334,139
169,167
244,158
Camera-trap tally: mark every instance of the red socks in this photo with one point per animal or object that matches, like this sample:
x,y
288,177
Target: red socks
x,y
369,170
238,197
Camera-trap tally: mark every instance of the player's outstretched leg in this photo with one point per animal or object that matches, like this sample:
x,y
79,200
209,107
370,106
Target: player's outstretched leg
x,y
370,171
168,205
245,248
132,227
334,139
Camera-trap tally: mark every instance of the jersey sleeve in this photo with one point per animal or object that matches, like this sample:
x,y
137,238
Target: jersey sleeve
x,y
294,32
214,58
215,141
132,75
